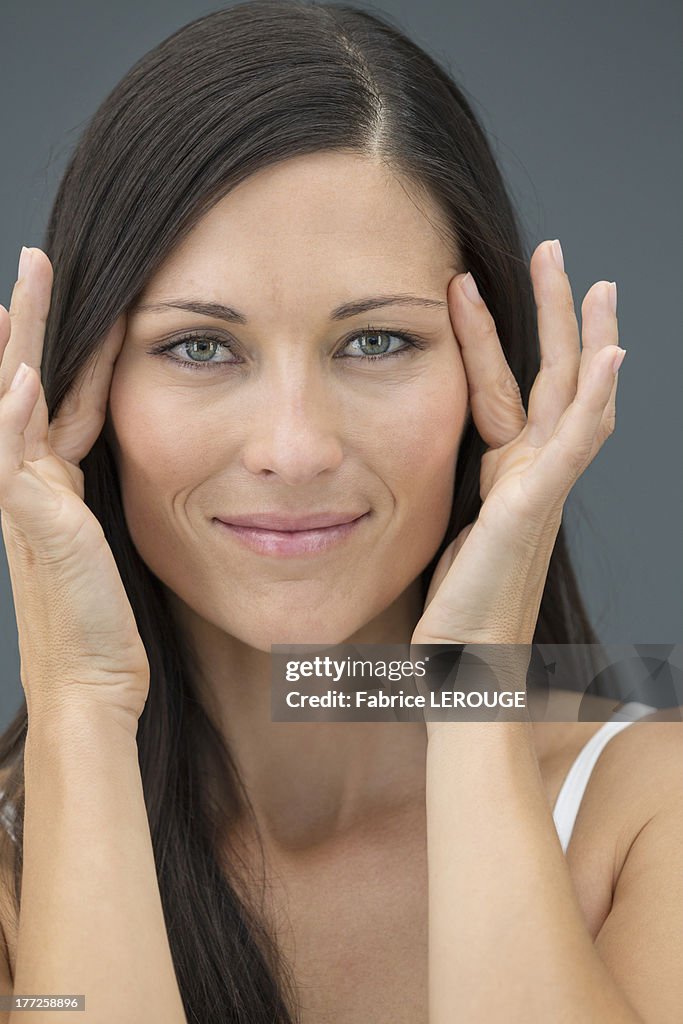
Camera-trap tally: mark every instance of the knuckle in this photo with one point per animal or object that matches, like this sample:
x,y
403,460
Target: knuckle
x,y
608,425
26,307
18,292
488,327
508,386
566,305
556,303
574,457
21,298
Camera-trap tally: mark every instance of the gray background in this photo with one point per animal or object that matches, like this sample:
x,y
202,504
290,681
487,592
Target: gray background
x,y
582,102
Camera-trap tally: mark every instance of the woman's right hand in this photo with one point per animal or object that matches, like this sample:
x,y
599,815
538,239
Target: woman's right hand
x,y
78,638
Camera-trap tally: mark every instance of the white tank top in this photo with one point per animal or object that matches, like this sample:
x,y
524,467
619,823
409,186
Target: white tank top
x,y
574,786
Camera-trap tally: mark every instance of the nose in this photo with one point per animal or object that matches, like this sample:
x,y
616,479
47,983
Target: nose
x,y
293,430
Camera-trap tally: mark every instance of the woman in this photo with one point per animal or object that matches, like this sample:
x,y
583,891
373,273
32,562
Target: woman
x,y
236,202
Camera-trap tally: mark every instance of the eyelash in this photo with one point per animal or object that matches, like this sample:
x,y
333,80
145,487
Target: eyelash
x,y
412,342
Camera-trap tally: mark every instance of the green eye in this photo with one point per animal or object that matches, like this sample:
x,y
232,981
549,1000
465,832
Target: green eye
x,y
202,347
379,342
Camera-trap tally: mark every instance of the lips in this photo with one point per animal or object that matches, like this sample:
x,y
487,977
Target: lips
x,y
285,523
299,539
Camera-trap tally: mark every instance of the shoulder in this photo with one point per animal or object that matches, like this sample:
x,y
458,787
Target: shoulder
x,y
638,774
655,745
639,785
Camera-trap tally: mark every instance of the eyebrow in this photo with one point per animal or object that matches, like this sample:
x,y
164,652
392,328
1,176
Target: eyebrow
x,y
347,309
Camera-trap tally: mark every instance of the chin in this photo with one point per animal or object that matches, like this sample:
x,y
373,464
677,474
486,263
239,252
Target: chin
x,y
291,632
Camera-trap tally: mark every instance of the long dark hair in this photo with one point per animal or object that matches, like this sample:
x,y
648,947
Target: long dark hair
x,y
225,96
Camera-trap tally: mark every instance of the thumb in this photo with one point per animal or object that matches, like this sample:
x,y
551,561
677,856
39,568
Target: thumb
x,y
81,415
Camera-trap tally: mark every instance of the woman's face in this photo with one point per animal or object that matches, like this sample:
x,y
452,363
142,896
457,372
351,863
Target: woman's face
x,y
279,413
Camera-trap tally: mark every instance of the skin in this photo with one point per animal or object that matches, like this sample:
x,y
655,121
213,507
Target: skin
x,y
300,431
337,789
291,428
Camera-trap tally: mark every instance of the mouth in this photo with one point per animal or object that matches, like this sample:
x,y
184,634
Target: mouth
x,y
292,542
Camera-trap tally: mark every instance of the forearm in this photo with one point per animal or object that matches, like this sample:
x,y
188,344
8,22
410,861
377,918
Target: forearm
x,y
91,919
507,940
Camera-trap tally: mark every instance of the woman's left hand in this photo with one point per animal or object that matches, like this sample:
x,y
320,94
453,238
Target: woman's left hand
x,y
488,585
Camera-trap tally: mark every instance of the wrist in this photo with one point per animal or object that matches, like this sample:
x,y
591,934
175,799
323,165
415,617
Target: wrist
x,y
78,728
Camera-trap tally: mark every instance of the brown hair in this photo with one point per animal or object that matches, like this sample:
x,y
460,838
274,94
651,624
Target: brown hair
x,y
228,95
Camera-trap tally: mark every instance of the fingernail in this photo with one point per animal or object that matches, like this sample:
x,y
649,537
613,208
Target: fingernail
x,y
19,377
469,286
618,359
24,262
613,296
556,250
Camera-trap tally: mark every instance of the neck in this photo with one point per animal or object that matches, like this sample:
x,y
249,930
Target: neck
x,y
307,782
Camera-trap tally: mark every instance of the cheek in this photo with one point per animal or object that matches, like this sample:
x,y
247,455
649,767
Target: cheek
x,y
425,438
158,455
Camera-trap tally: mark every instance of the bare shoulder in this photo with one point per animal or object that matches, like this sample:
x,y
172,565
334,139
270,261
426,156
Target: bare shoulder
x,y
645,760
639,786
638,774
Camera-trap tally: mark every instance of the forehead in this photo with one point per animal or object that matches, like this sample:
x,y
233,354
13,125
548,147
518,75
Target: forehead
x,y
332,220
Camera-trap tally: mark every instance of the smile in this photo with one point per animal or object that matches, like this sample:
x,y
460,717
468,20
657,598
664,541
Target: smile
x,y
291,543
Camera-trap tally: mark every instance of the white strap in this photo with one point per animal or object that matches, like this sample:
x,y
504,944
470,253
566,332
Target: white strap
x,y
573,788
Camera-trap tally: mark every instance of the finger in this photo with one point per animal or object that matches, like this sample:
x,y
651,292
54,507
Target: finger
x,y
577,439
80,418
599,326
28,315
609,416
5,324
23,494
558,331
495,399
